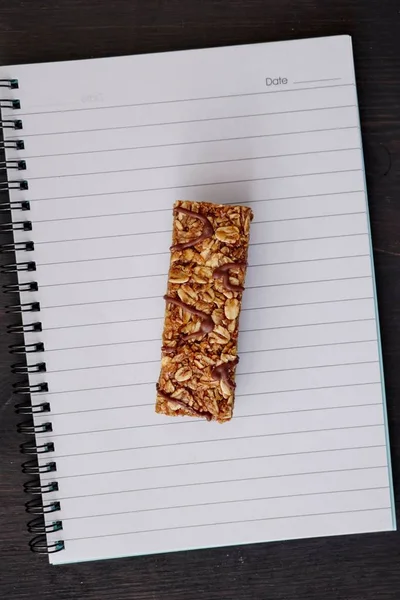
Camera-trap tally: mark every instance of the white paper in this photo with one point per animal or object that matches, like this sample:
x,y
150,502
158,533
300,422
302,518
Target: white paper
x,y
110,144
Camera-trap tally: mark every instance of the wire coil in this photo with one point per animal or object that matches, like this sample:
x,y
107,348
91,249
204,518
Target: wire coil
x,y
41,546
15,267
14,288
32,409
26,348
36,506
23,304
37,526
17,247
31,467
21,308
20,205
28,328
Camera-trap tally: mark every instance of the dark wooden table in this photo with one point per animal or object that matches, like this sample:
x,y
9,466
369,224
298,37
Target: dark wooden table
x,y
346,568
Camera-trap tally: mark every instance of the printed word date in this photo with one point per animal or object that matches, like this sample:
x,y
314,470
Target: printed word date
x,y
276,81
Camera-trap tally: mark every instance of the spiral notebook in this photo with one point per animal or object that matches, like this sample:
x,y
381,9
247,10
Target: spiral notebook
x,y
97,152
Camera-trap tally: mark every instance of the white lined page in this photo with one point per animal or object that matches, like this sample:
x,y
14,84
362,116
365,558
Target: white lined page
x,y
307,451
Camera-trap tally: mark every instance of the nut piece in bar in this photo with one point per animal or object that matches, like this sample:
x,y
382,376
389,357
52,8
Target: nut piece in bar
x,y
203,301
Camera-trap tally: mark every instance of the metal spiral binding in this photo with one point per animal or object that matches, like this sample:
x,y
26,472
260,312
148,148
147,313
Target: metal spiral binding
x,y
23,368
36,526
16,247
21,205
29,428
29,327
11,84
13,144
30,286
14,267
20,308
34,467
28,409
30,467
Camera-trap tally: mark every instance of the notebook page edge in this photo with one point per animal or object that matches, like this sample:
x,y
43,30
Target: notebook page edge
x,y
377,321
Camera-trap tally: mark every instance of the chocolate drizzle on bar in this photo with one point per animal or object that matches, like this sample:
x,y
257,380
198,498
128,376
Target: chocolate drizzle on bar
x,y
190,409
168,350
207,324
208,230
222,273
223,372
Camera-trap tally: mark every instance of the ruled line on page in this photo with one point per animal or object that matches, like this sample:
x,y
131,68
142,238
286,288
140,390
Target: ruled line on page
x,y
322,195
66,498
350,364
112,514
168,252
187,422
308,346
179,187
325,237
289,262
284,112
102,258
242,352
318,80
329,387
131,512
255,222
250,266
200,99
250,287
129,385
193,142
85,260
194,164
302,304
232,460
160,318
246,437
244,202
254,287
193,421
106,237
169,210
98,324
158,360
48,307
310,324
163,273
158,339
295,516
225,460
264,393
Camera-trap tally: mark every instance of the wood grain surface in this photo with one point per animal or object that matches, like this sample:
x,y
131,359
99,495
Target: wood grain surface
x,y
345,568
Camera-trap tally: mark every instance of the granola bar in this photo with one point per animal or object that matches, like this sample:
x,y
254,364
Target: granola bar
x,y
203,301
